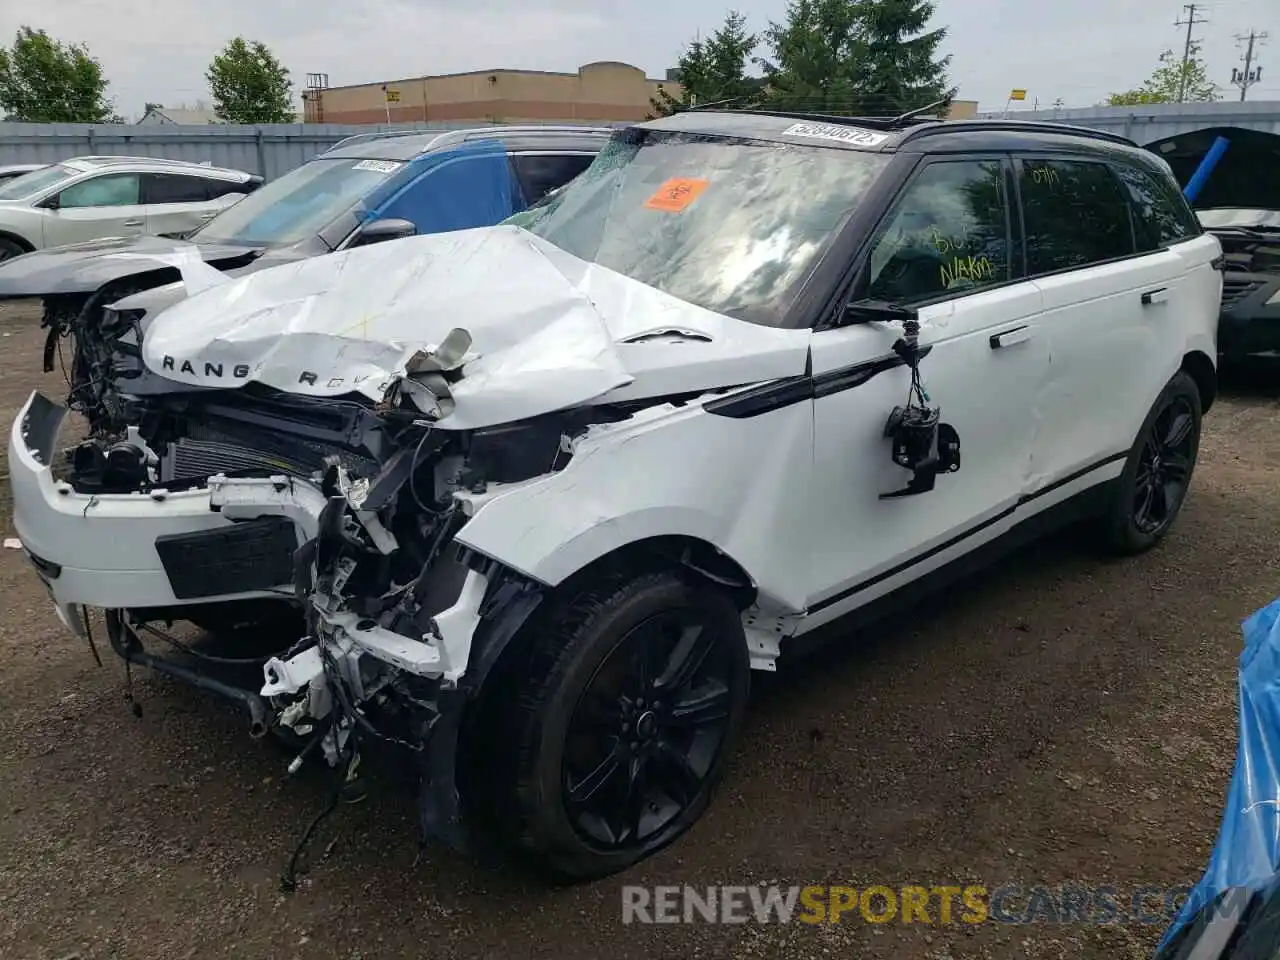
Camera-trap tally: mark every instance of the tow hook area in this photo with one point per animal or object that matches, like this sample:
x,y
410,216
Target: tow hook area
x,y
124,640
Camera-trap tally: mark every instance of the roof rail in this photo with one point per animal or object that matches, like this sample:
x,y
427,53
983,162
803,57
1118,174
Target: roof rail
x,y
1021,126
899,122
873,123
462,134
110,158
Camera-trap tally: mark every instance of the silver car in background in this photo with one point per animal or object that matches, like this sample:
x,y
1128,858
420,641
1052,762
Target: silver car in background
x,y
89,198
10,170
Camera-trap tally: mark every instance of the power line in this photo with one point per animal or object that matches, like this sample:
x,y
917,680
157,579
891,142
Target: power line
x,y
1246,78
1190,23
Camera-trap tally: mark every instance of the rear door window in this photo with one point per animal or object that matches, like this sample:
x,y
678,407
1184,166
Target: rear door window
x,y
173,188
1075,214
1161,216
541,173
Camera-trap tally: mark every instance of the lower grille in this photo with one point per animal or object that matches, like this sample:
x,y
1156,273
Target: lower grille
x,y
253,555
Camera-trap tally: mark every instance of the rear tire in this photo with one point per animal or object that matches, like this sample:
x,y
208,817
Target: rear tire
x,y
617,726
1157,473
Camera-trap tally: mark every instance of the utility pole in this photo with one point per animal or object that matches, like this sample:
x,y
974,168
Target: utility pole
x,y
1246,78
1190,23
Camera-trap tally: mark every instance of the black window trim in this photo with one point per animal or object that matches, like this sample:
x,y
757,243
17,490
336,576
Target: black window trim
x,y
1108,164
859,262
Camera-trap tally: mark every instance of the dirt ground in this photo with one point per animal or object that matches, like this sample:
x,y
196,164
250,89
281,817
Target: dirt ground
x,y
1057,720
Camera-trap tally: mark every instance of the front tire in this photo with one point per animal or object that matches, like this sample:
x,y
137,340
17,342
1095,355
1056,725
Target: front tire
x,y
1157,473
10,249
621,724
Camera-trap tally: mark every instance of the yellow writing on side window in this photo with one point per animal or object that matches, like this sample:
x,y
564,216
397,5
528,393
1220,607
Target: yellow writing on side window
x,y
974,269
955,242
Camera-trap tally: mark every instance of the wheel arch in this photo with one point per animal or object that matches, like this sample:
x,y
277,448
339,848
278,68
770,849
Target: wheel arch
x,y
1197,365
692,554
26,245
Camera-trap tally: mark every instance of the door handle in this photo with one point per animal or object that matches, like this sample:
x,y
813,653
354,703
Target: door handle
x,y
1010,337
207,216
133,223
1159,295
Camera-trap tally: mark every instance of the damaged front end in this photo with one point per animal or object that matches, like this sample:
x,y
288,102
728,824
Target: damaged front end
x,y
404,624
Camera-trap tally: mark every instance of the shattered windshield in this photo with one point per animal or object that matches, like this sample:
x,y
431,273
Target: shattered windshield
x,y
729,225
299,204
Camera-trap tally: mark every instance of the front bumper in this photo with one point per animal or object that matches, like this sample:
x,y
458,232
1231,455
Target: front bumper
x,y
101,549
1249,325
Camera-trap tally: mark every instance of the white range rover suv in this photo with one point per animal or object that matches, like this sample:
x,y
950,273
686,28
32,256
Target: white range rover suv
x,y
543,494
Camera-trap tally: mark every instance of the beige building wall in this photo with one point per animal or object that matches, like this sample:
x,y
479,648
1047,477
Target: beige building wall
x,y
601,91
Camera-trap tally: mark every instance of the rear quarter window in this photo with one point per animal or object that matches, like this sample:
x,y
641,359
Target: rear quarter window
x,y
1161,216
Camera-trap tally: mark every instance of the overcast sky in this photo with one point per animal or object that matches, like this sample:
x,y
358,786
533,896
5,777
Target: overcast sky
x,y
1078,50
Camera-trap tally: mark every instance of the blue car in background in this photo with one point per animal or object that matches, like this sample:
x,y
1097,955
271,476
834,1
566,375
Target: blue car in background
x,y
366,189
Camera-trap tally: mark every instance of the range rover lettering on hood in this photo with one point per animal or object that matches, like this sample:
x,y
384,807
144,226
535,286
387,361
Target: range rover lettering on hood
x,y
218,372
544,329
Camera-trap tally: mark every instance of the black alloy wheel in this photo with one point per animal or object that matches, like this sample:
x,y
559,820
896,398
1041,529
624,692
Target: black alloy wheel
x,y
1150,492
604,732
1164,466
647,730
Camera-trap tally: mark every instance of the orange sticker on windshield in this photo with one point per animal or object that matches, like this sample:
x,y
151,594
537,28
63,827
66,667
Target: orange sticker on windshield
x,y
676,194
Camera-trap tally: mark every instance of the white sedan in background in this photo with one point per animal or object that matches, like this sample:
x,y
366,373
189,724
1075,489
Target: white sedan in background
x,y
89,198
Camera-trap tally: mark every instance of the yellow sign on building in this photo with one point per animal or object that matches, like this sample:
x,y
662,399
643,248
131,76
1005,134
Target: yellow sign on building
x,y
393,96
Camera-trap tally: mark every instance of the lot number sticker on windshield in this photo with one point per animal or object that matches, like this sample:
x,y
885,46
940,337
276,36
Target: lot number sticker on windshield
x,y
676,194
831,131
377,166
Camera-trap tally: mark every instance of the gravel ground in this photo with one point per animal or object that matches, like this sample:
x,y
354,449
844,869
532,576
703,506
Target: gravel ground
x,y
1056,720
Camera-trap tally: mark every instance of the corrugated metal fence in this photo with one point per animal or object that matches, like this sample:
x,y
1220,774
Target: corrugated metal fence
x,y
1151,122
269,150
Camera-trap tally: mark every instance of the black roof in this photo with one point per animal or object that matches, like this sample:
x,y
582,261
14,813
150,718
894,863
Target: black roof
x,y
406,146
880,135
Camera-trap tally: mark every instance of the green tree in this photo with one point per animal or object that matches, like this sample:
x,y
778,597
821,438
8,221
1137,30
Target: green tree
x,y
249,85
713,70
1171,82
814,56
900,69
856,57
45,81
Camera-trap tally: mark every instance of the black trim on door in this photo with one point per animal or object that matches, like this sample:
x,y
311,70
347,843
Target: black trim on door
x,y
958,538
995,341
783,393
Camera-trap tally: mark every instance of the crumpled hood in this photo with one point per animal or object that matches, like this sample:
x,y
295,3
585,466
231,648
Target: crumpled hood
x,y
84,267
548,330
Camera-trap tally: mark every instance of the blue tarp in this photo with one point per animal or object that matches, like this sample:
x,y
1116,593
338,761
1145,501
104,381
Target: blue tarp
x,y
1247,853
471,185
